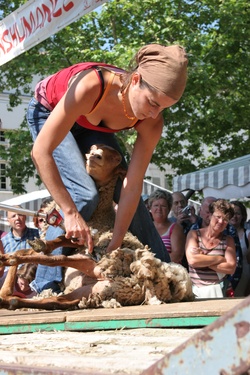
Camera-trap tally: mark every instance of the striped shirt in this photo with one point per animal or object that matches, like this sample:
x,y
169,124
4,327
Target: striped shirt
x,y
166,238
205,275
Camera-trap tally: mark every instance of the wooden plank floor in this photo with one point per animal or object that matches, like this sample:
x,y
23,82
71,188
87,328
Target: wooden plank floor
x,y
94,342
106,352
185,314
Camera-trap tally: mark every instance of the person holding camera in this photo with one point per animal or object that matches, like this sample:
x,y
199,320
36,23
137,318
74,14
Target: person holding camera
x,y
182,213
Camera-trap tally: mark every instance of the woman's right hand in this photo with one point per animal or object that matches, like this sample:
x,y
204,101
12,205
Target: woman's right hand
x,y
78,231
195,250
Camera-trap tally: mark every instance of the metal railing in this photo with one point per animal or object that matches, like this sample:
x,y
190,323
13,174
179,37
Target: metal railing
x,y
35,201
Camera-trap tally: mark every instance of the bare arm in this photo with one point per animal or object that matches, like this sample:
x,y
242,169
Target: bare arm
x,y
228,266
77,101
2,252
194,256
148,135
248,252
178,240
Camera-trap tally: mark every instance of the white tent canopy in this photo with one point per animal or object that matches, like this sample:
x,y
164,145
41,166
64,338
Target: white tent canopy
x,y
228,180
27,198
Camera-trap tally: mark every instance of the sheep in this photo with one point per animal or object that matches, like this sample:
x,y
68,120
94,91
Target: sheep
x,y
103,164
130,275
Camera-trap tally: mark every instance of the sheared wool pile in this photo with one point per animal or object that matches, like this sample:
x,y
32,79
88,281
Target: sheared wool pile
x,y
137,277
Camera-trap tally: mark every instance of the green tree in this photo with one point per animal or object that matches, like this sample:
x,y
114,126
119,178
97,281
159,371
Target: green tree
x,y
214,111
18,155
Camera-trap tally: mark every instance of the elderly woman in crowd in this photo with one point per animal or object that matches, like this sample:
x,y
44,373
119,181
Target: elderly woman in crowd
x,y
160,203
210,253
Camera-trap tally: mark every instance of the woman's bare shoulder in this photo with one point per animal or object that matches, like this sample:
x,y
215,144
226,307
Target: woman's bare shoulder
x,y
192,233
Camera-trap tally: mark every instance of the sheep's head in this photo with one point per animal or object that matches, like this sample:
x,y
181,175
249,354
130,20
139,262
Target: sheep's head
x,y
103,163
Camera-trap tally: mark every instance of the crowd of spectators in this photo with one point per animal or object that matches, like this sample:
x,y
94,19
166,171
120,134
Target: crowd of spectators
x,y
16,239
213,244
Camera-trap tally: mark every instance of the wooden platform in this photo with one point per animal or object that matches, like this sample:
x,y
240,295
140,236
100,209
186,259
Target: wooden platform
x,y
185,314
123,341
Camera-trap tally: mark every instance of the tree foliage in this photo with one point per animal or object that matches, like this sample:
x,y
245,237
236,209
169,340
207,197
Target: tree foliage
x,y
213,114
19,166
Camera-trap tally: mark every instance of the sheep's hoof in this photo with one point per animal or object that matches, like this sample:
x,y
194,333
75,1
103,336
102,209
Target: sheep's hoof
x,y
13,302
4,303
37,245
12,262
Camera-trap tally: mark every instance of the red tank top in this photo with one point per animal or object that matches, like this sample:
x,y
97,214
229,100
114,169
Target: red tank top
x,y
52,89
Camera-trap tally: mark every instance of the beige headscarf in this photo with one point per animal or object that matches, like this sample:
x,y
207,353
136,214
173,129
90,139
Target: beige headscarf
x,y
164,68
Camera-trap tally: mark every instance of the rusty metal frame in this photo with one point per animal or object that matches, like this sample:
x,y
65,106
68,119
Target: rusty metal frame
x,y
222,347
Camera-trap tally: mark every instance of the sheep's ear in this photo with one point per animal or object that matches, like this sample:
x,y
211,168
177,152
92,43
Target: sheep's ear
x,y
117,158
112,156
121,172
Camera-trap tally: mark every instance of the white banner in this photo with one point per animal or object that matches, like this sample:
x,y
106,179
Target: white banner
x,y
36,20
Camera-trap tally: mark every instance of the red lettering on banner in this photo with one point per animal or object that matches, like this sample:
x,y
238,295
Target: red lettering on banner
x,y
56,13
15,35
12,33
46,14
26,26
68,6
30,25
5,34
86,4
40,19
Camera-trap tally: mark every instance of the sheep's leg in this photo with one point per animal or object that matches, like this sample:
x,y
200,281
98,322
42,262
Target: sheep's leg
x,y
66,302
9,282
51,303
16,258
47,247
80,262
